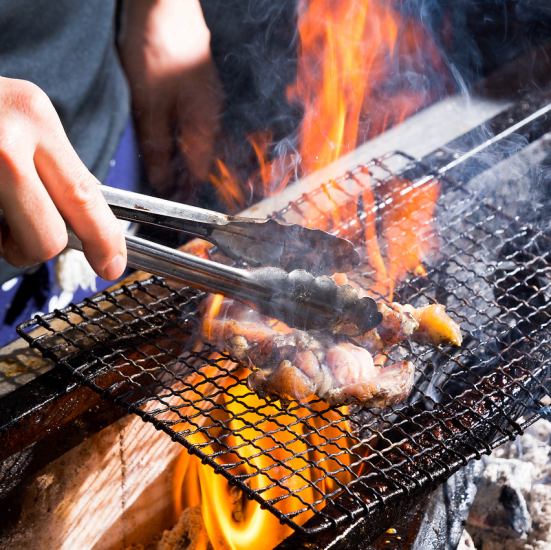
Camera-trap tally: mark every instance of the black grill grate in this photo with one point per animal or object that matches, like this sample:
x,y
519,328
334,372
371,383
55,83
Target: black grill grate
x,y
311,461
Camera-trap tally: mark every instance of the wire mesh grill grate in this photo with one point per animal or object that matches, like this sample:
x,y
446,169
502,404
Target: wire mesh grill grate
x,y
311,461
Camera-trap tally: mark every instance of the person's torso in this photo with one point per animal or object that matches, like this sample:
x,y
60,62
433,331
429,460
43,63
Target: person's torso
x,y
67,48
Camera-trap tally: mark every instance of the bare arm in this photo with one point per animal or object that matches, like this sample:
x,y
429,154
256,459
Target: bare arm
x,y
176,95
43,182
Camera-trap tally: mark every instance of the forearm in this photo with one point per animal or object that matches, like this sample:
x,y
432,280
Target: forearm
x,y
176,95
175,25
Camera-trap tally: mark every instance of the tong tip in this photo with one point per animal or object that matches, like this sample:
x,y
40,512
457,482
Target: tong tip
x,y
288,246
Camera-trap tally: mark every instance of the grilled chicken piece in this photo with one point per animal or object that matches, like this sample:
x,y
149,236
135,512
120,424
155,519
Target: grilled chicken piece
x,y
435,326
428,325
294,364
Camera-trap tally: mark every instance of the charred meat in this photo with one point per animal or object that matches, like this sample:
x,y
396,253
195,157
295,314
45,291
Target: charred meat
x,y
294,364
427,325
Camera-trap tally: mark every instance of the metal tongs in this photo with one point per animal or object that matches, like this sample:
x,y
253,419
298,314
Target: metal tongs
x,y
294,288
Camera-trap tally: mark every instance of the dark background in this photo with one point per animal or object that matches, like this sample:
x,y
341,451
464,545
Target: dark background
x,y
254,43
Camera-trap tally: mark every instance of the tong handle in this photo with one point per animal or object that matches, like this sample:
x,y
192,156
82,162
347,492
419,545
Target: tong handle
x,y
255,241
302,303
192,270
139,208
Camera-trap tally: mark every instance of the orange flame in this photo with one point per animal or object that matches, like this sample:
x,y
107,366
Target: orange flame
x,y
347,59
406,237
346,49
231,520
272,176
343,46
211,314
228,186
407,244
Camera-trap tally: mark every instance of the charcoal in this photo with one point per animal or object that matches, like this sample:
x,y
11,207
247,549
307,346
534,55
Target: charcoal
x,y
517,512
500,506
516,490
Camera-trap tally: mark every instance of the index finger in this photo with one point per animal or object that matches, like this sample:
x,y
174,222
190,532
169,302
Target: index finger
x,y
76,193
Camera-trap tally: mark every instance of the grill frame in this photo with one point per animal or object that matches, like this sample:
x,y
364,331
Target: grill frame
x,y
338,511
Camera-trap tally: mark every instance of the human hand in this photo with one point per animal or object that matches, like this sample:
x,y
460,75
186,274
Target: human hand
x,y
165,49
44,184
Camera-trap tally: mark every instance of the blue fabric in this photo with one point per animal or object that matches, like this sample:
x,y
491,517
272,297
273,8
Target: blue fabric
x,y
38,292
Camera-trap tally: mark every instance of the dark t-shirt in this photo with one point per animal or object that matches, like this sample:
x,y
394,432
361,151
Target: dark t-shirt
x,y
67,48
